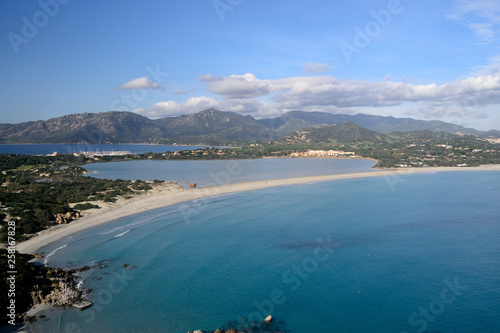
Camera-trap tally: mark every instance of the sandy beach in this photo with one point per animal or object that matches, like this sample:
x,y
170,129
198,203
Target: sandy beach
x,y
167,196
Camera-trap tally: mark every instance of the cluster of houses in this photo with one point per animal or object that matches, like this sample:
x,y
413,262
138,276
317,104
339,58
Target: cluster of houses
x,y
493,140
95,153
324,153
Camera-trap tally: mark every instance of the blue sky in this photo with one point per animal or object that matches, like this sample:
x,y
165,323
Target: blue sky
x,y
421,59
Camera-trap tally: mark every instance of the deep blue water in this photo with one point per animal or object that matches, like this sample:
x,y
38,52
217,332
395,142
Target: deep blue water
x,y
223,172
41,149
420,254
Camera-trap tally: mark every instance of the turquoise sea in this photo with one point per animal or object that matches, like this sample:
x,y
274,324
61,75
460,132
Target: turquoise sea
x,y
415,253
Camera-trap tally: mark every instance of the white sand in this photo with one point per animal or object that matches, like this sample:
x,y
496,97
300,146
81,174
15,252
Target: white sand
x,y
171,195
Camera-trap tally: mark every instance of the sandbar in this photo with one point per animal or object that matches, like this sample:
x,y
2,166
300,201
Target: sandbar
x,y
168,196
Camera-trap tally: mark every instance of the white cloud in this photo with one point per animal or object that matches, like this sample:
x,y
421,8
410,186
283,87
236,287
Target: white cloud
x,y
208,77
172,108
312,67
481,16
236,86
140,83
180,92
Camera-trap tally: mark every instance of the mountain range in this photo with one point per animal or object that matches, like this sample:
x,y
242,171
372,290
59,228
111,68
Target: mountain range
x,y
206,127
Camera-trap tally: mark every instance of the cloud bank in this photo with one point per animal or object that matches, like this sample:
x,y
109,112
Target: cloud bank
x,y
247,94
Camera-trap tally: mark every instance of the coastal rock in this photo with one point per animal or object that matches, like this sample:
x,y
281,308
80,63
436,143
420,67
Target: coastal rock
x,y
63,295
27,318
268,319
82,305
65,218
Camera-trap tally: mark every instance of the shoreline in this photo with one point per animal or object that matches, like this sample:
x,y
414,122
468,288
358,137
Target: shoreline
x,y
166,197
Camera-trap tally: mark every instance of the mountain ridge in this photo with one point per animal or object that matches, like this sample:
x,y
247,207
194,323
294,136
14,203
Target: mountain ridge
x,y
382,124
217,127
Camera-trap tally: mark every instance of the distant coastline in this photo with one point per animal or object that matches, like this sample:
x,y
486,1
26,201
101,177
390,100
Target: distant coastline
x,y
164,197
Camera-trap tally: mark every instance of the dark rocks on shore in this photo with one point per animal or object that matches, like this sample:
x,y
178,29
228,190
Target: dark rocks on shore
x,y
60,289
268,325
39,284
30,319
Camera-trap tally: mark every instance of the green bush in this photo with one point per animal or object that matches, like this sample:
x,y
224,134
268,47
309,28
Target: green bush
x,y
85,206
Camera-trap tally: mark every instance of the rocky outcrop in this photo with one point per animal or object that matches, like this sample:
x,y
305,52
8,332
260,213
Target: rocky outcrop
x,y
65,218
63,291
63,295
268,325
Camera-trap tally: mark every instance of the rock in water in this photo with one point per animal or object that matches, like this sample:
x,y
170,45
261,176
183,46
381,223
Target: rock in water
x,y
82,305
268,319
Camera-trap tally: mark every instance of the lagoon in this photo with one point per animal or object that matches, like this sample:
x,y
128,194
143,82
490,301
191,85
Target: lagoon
x,y
223,172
